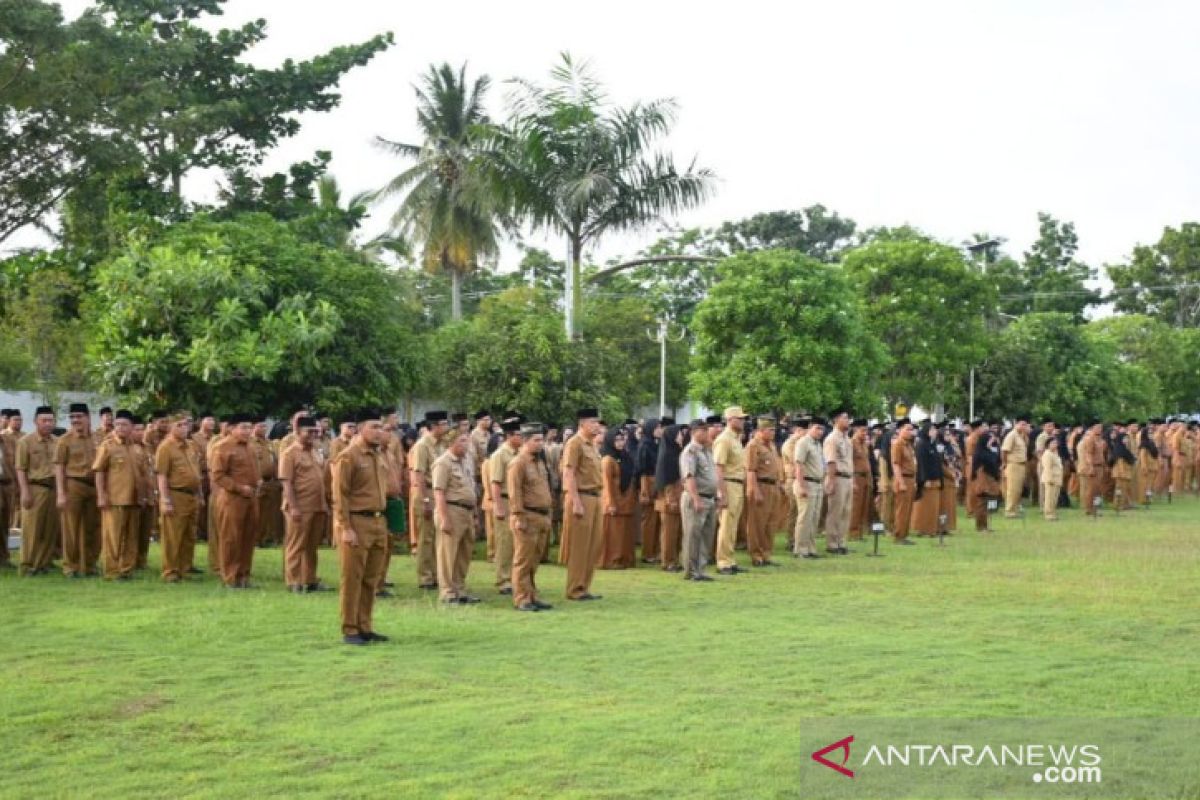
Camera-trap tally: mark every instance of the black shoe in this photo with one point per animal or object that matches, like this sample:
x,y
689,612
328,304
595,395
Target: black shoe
x,y
843,551
727,571
355,639
737,568
318,587
468,600
651,560
372,636
384,593
389,585
506,591
831,550
194,571
429,587
673,568
810,556
590,596
905,542
526,607
451,601
124,578
702,578
542,606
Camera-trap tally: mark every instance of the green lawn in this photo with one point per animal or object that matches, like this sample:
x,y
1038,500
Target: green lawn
x,y
664,688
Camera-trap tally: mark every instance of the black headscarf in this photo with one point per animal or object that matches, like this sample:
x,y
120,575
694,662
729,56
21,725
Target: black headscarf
x,y
985,458
1146,442
929,460
622,457
1120,444
647,452
666,472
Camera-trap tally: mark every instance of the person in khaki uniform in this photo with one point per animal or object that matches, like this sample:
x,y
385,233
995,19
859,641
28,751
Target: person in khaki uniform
x,y
420,466
861,497
885,498
120,495
180,497
1091,462
214,497
481,434
787,455
808,486
270,492
79,517
1183,450
839,482
647,464
951,476
730,458
8,484
146,521
360,483
495,470
454,515
975,430
234,468
35,477
1014,453
668,493
305,507
1124,463
1050,473
583,521
1147,460
762,479
529,508
701,500
904,476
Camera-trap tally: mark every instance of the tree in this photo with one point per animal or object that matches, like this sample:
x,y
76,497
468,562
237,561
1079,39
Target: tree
x,y
1166,353
1162,280
928,306
1054,280
245,313
813,231
575,165
782,331
43,336
450,207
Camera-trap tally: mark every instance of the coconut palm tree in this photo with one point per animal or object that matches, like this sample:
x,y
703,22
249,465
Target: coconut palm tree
x,y
571,163
449,211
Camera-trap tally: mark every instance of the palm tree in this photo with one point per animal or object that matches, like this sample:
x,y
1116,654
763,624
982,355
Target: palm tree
x,y
449,210
571,163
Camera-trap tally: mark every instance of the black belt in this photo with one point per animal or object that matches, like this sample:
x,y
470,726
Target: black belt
x,y
85,481
843,474
707,496
5,481
735,480
589,492
545,512
860,474
46,484
503,497
768,481
367,513
907,475
467,506
812,480
185,491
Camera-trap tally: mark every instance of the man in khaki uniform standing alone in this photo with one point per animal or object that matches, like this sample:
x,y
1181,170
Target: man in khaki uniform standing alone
x,y
74,454
420,482
839,482
455,506
180,497
583,523
496,473
35,477
360,480
120,495
730,458
530,505
8,484
1014,453
808,487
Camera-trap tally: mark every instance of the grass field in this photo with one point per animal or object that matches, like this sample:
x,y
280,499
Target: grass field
x,y
663,689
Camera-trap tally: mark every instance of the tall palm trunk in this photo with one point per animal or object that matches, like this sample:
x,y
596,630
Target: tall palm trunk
x,y
455,295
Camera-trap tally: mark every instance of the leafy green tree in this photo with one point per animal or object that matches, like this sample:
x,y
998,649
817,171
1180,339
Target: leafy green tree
x,y
245,313
450,207
782,331
1054,280
1162,280
814,231
1166,353
923,301
573,164
42,334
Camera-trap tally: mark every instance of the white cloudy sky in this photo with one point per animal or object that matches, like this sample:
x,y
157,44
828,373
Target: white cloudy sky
x,y
952,116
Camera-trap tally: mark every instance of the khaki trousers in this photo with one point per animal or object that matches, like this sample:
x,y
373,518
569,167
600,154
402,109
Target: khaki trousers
x,y
1014,485
1089,490
526,555
727,523
425,534
860,507
670,526
504,552
808,518
759,541
80,522
271,527
837,518
361,571
903,510
302,539
145,531
122,526
178,533
1123,493
582,539
699,528
6,509
214,531
39,530
1050,500
454,551
650,521
887,509
237,519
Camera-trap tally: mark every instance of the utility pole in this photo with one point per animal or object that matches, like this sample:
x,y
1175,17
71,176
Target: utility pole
x,y
662,336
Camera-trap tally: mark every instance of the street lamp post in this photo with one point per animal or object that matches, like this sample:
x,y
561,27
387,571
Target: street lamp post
x,y
662,336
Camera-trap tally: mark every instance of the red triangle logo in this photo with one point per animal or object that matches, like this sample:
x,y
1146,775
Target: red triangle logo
x,y
844,746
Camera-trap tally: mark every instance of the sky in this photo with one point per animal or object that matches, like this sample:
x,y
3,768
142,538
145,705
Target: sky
x,y
955,117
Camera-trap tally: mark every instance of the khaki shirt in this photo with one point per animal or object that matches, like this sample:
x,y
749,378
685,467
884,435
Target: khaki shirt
x,y
1016,447
788,453
451,475
479,444
809,457
8,453
528,483
123,471
729,454
840,453
35,456
904,459
233,464
762,461
497,467
77,453
1091,456
265,456
1050,467
303,468
179,462
582,456
335,447
697,462
423,454
360,480
862,461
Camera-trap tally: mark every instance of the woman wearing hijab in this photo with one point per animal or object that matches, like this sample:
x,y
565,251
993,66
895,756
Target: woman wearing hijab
x,y
928,505
647,463
985,475
951,476
618,499
669,489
